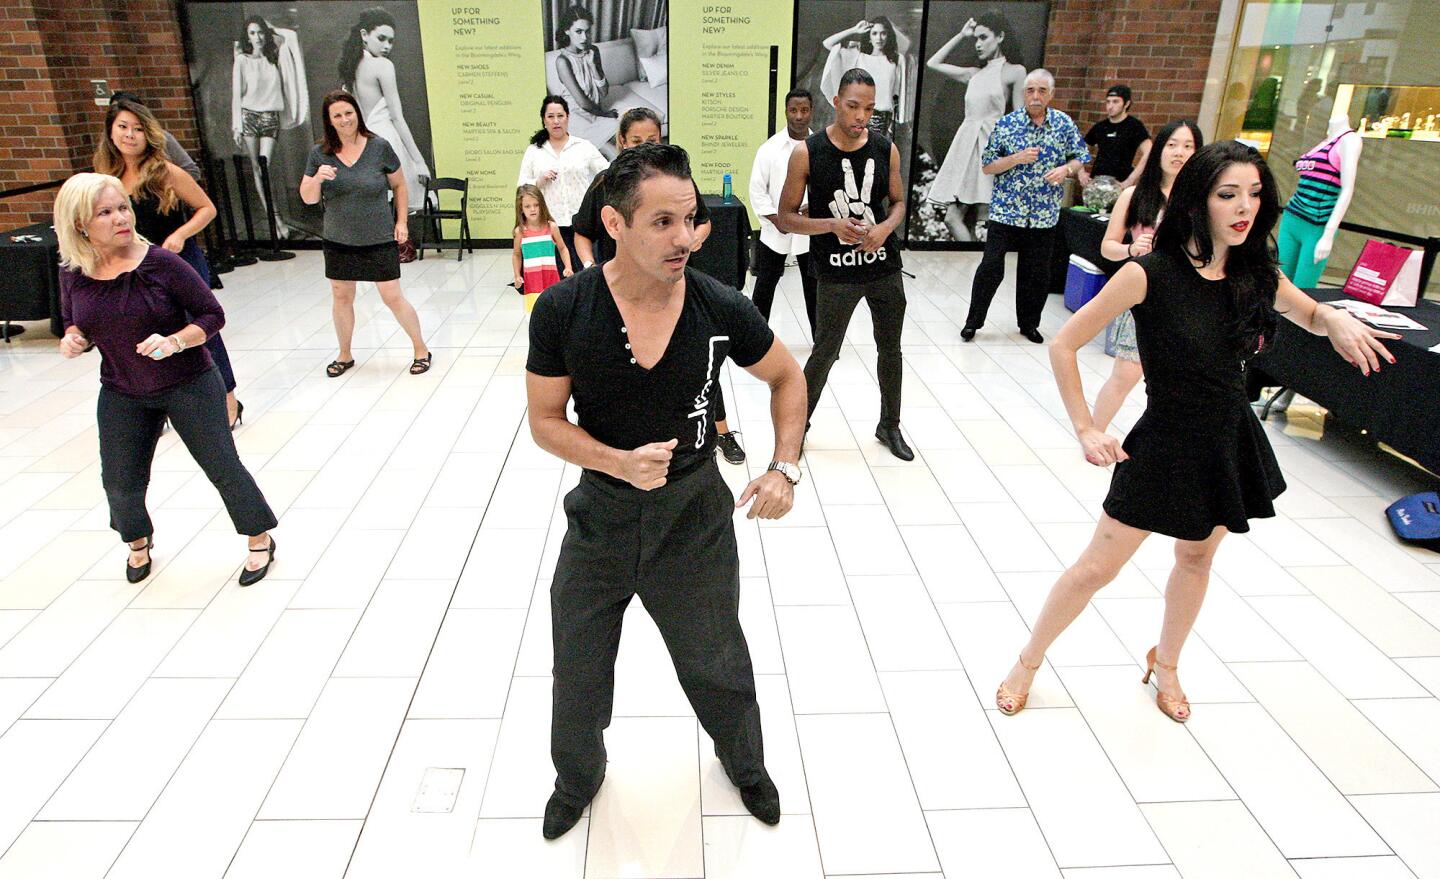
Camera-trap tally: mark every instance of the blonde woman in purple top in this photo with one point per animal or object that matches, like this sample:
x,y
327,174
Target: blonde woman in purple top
x,y
149,315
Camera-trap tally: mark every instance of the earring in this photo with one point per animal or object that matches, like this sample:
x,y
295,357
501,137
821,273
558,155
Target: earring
x,y
84,234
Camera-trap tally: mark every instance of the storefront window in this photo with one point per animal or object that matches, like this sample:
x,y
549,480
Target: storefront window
x,y
1295,66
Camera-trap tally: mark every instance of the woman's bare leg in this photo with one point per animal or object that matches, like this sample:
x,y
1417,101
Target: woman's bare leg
x,y
342,311
1110,548
955,222
404,312
1124,375
1184,594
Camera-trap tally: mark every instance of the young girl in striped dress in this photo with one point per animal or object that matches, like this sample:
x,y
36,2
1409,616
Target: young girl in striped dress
x,y
537,243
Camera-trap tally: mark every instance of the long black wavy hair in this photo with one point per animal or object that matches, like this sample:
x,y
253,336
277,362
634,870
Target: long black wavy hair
x,y
1250,267
995,21
891,50
1148,200
567,20
353,49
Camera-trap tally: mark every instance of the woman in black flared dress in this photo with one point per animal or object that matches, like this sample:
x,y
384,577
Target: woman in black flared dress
x,y
1197,464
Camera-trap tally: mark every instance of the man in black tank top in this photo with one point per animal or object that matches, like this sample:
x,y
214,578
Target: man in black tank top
x,y
851,177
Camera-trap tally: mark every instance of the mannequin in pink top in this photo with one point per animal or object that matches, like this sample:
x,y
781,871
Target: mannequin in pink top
x,y
1131,233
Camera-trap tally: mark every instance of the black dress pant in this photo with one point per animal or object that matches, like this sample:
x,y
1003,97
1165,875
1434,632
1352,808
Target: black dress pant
x,y
567,235
1032,281
769,267
675,548
129,429
835,304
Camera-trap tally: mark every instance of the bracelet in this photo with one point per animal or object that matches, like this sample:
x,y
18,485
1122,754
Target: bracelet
x,y
1130,250
179,344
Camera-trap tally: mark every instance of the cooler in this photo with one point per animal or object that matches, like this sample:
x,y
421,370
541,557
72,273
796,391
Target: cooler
x,y
1082,282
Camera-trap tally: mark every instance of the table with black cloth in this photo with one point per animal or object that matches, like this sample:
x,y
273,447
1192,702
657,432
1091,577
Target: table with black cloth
x,y
30,278
1081,233
1397,405
724,256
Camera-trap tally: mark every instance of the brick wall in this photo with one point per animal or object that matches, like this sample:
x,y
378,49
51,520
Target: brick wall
x,y
1160,48
49,52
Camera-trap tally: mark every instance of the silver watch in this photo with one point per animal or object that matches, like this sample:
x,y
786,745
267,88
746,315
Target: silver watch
x,y
791,472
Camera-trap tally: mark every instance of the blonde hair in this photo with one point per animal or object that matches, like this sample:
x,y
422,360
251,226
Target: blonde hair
x,y
74,208
154,168
533,191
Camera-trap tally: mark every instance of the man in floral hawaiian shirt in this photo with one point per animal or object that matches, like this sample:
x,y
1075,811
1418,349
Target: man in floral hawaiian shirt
x,y
1030,153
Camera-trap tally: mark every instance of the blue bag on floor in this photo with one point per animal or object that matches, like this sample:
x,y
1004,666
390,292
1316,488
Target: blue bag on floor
x,y
1416,519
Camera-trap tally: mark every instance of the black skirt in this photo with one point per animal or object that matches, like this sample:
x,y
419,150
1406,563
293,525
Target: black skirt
x,y
369,262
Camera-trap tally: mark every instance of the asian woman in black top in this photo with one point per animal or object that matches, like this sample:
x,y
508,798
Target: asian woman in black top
x,y
1197,465
170,207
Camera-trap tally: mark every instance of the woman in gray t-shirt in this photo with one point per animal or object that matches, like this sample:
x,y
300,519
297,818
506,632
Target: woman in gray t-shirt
x,y
353,172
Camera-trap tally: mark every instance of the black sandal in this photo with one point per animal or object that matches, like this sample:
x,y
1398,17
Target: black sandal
x,y
135,575
421,364
338,368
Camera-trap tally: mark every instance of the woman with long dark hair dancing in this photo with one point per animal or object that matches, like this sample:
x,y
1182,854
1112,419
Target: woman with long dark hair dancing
x,y
367,72
1134,217
877,47
1197,465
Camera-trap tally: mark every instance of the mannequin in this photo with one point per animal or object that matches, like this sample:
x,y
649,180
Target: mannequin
x,y
1322,195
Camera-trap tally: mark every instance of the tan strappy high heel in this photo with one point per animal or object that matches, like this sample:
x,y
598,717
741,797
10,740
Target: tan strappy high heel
x,y
1011,703
1177,710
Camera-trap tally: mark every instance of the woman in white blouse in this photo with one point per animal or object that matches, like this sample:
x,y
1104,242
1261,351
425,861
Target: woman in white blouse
x,y
561,165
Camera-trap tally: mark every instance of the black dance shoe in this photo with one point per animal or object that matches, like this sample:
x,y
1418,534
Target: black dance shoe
x,y
968,333
730,447
249,577
762,800
1033,335
560,816
135,575
895,442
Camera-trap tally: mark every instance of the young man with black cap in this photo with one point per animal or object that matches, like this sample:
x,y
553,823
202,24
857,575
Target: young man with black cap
x,y
638,342
1121,141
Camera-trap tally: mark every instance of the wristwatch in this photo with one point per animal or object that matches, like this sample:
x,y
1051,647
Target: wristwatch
x,y
791,472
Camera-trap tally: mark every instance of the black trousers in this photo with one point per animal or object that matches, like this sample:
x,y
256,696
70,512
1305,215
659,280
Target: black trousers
x,y
769,267
130,428
567,235
1032,281
675,548
835,305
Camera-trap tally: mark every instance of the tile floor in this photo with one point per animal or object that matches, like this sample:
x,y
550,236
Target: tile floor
x,y
186,728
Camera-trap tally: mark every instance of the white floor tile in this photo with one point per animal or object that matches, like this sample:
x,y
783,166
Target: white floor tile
x,y
950,750
1080,803
35,756
335,765
1137,623
17,695
826,659
867,541
228,632
1346,746
902,628
1411,725
295,850
1007,538
285,676
1297,806
989,636
740,847
349,571
522,777
192,832
782,757
866,814
468,672
123,774
991,842
950,564
397,630
65,850
1351,663
107,674
1377,614
501,569
1407,823
651,782
507,847
52,640
1216,839
803,567
1352,868
1156,762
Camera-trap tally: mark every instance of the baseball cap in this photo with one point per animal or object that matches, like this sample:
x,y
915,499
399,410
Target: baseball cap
x,y
1120,91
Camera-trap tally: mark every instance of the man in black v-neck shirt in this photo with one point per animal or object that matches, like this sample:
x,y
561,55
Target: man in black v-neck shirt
x,y
1121,141
638,343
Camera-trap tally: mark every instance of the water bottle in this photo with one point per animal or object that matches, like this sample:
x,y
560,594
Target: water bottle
x,y
725,189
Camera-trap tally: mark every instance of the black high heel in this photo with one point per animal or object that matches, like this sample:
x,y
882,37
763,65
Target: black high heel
x,y
249,577
239,416
135,575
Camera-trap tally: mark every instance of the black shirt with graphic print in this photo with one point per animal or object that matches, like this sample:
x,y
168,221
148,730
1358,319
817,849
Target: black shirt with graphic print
x,y
850,184
576,330
1118,142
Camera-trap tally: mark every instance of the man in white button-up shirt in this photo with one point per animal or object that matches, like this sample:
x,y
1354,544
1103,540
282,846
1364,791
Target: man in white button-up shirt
x,y
767,178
